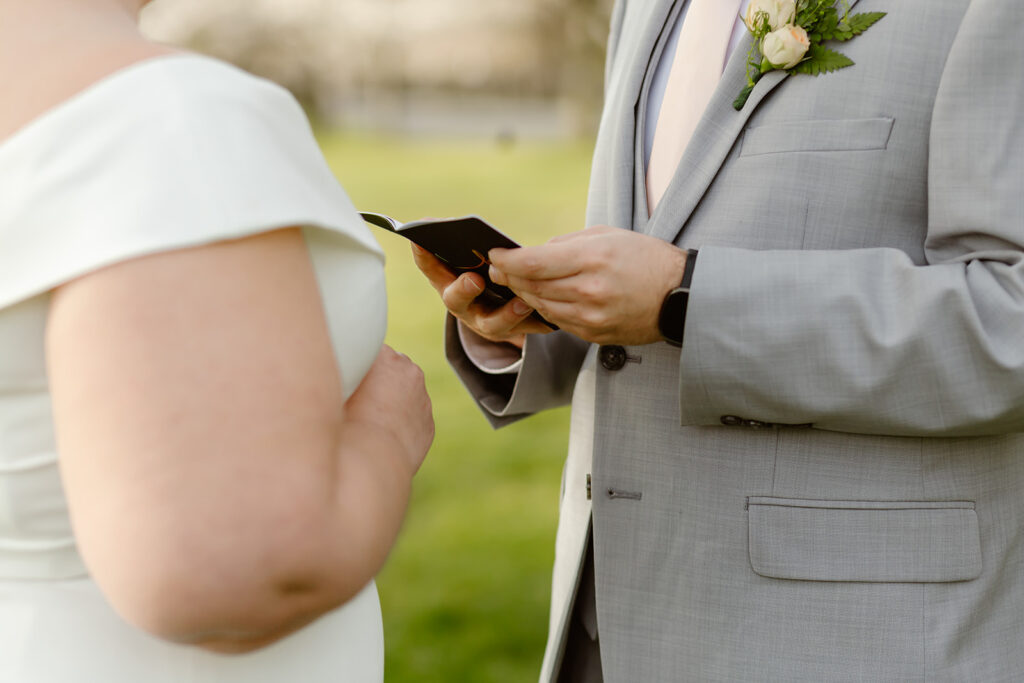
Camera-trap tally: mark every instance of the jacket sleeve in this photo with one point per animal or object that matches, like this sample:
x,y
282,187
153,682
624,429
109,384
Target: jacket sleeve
x,y
551,363
865,340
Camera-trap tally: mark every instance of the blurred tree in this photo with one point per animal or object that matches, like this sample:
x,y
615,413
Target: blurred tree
x,y
574,35
322,49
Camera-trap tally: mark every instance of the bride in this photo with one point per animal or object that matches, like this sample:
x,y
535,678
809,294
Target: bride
x,y
204,447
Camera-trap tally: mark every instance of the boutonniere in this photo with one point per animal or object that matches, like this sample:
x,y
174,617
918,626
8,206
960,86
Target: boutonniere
x,y
788,36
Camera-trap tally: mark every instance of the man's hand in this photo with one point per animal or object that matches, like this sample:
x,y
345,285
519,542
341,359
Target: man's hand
x,y
509,323
604,285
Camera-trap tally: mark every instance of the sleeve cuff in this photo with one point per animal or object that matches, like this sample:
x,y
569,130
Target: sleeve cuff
x,y
492,358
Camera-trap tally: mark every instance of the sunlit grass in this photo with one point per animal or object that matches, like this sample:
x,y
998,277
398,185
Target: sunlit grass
x,y
465,592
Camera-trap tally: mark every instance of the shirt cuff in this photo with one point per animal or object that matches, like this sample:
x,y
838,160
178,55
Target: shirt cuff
x,y
493,358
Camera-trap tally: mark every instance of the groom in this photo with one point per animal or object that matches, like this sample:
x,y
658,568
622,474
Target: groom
x,y
825,480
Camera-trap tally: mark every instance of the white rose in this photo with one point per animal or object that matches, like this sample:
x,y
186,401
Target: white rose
x,y
780,13
785,47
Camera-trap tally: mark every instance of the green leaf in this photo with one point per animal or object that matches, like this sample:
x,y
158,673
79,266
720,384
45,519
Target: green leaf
x,y
810,12
821,60
744,95
826,27
858,23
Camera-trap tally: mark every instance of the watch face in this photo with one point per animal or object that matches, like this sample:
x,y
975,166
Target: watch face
x,y
673,312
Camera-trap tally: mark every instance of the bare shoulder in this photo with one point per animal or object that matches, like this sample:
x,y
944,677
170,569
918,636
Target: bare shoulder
x,y
37,83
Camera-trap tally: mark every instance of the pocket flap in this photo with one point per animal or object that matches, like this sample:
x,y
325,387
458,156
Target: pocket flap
x,y
828,540
836,135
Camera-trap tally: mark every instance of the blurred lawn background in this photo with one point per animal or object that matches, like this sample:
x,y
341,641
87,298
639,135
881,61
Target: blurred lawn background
x,y
465,592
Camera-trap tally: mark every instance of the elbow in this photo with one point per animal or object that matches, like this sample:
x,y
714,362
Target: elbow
x,y
226,602
215,609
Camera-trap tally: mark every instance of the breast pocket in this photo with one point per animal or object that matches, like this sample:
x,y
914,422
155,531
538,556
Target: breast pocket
x,y
868,541
838,135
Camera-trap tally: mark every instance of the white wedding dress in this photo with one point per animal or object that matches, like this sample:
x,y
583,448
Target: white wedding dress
x,y
172,152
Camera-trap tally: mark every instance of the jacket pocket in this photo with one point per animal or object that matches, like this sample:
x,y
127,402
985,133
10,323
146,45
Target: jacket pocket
x,y
870,541
837,135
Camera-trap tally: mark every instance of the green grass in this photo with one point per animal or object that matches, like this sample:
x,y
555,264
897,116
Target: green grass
x,y
465,592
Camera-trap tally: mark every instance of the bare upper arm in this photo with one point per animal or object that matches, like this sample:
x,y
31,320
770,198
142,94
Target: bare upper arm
x,y
196,403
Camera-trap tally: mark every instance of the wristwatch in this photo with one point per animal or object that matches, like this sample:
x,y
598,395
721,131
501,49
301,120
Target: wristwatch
x,y
672,319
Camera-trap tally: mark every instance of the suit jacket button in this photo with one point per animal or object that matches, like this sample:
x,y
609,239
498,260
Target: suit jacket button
x,y
612,357
732,420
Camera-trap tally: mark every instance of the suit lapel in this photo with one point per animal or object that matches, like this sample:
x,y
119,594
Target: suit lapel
x,y
618,129
714,137
655,25
655,50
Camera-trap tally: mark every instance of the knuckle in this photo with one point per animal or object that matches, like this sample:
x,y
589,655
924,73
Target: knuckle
x,y
592,289
530,265
451,298
484,326
593,318
593,259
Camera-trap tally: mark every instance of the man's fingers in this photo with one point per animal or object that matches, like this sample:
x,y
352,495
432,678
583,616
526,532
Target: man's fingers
x,y
569,236
507,321
497,277
531,326
560,259
587,324
576,289
435,271
458,296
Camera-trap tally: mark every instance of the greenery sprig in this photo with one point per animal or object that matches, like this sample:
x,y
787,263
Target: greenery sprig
x,y
788,36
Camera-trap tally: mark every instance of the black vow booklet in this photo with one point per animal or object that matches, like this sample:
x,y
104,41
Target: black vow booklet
x,y
462,245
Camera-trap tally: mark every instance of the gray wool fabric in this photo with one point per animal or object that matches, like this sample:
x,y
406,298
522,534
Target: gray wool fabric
x,y
827,482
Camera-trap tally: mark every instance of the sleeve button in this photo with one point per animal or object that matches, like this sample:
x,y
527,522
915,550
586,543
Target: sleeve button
x,y
732,420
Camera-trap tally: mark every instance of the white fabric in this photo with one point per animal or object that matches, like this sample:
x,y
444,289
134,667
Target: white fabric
x,y
574,508
173,152
491,358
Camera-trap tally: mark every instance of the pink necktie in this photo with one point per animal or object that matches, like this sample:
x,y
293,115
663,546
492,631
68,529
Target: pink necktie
x,y
696,70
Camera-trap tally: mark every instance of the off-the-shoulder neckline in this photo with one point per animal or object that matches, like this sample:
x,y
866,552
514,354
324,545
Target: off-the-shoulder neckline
x,y
98,87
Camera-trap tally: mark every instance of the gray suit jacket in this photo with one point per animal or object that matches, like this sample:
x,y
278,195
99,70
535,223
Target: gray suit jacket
x,y
827,482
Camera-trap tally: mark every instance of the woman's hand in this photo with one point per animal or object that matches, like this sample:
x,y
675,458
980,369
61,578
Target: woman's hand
x,y
509,323
393,398
603,284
